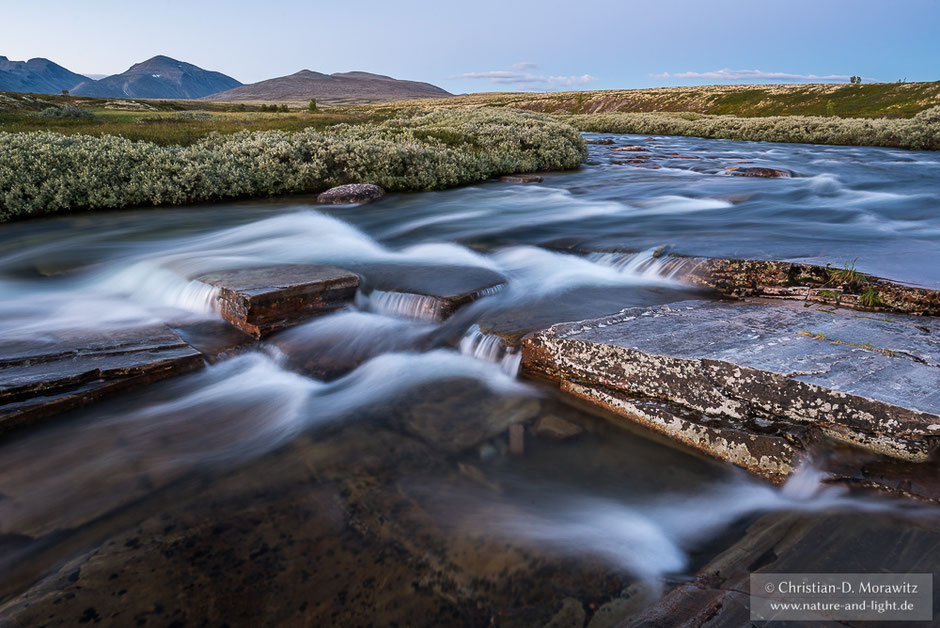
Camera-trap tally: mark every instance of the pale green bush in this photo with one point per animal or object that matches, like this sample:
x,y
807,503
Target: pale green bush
x,y
47,172
920,132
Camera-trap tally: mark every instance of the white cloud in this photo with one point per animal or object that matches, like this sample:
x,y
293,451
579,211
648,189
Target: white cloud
x,y
751,75
521,76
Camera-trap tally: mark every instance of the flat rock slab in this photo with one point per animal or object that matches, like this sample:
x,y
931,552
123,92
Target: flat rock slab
x,y
265,299
60,371
873,382
427,292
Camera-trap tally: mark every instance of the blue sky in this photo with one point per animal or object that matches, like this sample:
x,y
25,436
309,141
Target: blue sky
x,y
489,45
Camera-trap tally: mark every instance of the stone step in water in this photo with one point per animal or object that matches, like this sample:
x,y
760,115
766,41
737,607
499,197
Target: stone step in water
x,y
786,374
266,299
64,370
430,293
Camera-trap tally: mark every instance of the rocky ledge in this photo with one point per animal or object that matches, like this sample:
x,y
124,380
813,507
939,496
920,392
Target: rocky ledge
x,y
263,300
60,371
756,384
843,287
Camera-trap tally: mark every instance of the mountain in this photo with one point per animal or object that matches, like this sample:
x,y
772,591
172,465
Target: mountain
x,y
342,87
39,76
159,77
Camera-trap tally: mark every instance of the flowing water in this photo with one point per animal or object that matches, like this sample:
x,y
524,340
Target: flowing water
x,y
363,412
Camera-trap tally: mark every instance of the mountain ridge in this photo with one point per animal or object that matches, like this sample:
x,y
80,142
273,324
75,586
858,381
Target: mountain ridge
x,y
339,87
37,75
158,77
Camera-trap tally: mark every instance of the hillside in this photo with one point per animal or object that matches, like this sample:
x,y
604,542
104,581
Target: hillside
x,y
159,77
896,100
39,76
330,89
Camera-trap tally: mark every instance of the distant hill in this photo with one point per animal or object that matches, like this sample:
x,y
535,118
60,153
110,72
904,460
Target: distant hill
x,y
39,76
159,77
869,100
339,88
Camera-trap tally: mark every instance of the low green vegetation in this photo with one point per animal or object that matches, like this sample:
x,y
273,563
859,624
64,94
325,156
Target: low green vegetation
x,y
848,274
44,172
870,298
920,132
874,100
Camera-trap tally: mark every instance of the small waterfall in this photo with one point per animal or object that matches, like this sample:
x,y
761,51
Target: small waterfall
x,y
643,264
491,348
402,304
488,292
198,297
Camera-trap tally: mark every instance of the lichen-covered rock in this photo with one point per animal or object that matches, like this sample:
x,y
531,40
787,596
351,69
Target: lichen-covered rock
x,y
755,368
351,193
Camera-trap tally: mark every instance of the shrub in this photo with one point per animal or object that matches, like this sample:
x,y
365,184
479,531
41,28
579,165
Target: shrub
x,y
68,111
44,172
920,132
312,107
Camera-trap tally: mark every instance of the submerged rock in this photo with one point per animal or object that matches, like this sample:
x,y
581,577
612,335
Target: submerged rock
x,y
522,178
63,370
627,149
351,193
556,428
756,171
606,141
262,300
756,388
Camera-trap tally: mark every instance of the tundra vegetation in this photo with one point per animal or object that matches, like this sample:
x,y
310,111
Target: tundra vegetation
x,y
43,171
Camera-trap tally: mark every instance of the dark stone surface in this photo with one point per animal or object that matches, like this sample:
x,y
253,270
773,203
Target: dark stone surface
x,y
794,543
59,371
262,300
351,193
754,171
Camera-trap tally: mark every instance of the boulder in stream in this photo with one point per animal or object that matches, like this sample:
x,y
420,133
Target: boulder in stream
x,y
522,178
351,193
756,171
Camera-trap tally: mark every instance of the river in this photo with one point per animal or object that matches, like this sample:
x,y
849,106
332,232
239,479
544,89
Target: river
x,y
178,492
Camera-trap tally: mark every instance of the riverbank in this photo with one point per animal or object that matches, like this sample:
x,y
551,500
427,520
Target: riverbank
x,y
45,172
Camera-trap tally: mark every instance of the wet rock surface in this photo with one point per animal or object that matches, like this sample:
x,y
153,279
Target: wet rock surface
x,y
266,299
753,171
351,527
430,293
351,193
750,367
60,371
778,280
828,543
